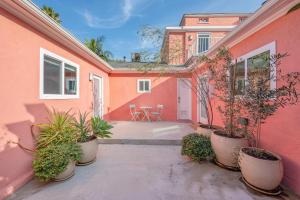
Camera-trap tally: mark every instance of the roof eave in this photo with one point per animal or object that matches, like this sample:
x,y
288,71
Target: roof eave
x,y
32,15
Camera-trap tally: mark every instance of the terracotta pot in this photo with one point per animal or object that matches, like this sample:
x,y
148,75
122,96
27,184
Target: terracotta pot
x,y
227,149
204,130
67,173
261,173
89,151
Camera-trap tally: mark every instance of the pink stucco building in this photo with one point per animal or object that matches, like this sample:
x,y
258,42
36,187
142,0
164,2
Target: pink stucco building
x,y
42,66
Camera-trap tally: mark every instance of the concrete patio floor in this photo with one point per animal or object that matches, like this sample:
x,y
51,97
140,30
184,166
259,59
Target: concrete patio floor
x,y
143,172
150,130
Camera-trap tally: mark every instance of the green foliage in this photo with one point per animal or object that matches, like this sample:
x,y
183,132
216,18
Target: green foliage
x,y
260,100
59,130
96,45
82,127
223,74
51,13
53,159
197,147
100,127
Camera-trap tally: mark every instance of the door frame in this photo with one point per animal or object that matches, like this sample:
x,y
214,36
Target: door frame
x,y
190,99
100,78
199,118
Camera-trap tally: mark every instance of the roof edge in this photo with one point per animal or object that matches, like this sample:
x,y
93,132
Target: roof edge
x,y
27,11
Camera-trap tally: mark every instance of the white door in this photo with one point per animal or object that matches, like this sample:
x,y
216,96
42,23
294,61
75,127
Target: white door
x,y
98,96
202,104
184,99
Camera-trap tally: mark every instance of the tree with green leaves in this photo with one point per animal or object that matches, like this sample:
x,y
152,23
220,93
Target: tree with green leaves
x,y
96,45
51,13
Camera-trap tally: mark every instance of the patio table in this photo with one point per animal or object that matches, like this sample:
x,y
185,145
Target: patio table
x,y
146,112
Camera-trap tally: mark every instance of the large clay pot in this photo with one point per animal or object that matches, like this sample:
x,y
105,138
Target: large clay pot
x,y
261,173
89,151
227,148
204,130
67,173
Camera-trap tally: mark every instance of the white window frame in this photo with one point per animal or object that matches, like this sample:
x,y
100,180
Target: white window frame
x,y
43,53
209,38
138,85
268,47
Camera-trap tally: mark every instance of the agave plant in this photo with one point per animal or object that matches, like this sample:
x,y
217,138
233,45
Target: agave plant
x,y
59,130
100,127
82,127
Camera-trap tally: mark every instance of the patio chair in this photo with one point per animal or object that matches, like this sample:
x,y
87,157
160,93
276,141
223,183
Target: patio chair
x,y
135,115
158,113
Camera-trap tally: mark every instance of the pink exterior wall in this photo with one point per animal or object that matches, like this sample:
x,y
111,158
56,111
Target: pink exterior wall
x,y
123,92
215,21
20,104
281,131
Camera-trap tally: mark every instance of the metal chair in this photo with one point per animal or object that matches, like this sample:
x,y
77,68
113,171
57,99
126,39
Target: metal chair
x,y
134,114
158,113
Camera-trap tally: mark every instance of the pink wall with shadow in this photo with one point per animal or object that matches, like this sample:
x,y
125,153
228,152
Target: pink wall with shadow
x,y
280,133
20,104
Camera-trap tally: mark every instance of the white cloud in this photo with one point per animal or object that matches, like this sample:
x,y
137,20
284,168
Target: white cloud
x,y
127,8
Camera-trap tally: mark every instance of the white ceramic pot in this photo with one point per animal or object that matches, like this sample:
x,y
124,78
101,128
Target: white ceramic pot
x,y
227,149
89,151
204,130
261,173
67,173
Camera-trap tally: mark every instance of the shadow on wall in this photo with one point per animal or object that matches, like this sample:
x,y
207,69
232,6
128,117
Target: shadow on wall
x,y
164,93
18,163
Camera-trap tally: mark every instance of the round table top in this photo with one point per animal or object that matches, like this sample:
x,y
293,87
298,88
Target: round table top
x,y
145,107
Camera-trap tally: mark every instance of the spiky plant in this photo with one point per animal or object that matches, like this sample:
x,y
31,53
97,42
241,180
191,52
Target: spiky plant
x,y
82,127
100,127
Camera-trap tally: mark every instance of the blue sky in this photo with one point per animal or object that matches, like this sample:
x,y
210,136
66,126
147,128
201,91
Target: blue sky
x,y
120,20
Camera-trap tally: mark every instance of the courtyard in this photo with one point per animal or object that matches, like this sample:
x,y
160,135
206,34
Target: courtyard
x,y
138,171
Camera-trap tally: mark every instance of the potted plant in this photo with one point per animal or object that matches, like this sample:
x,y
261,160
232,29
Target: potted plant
x,y
100,127
86,139
226,143
261,168
56,150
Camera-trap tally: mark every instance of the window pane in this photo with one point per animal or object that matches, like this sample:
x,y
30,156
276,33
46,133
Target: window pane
x,y
259,66
240,78
52,76
70,79
147,88
141,86
203,42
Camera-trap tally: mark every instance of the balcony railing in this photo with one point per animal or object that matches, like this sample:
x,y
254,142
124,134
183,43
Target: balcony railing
x,y
201,45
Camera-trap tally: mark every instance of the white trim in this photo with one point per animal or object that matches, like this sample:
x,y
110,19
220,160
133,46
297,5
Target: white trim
x,y
190,100
138,85
64,61
199,118
268,47
197,40
101,80
200,28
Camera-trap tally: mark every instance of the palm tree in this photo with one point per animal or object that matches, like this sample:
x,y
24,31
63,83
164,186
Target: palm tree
x,y
51,13
96,45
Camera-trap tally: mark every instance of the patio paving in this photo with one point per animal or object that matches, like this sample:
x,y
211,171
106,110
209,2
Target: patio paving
x,y
144,172
150,133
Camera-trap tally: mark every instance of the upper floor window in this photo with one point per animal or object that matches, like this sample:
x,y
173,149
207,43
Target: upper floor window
x,y
144,86
203,42
242,19
203,20
59,78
